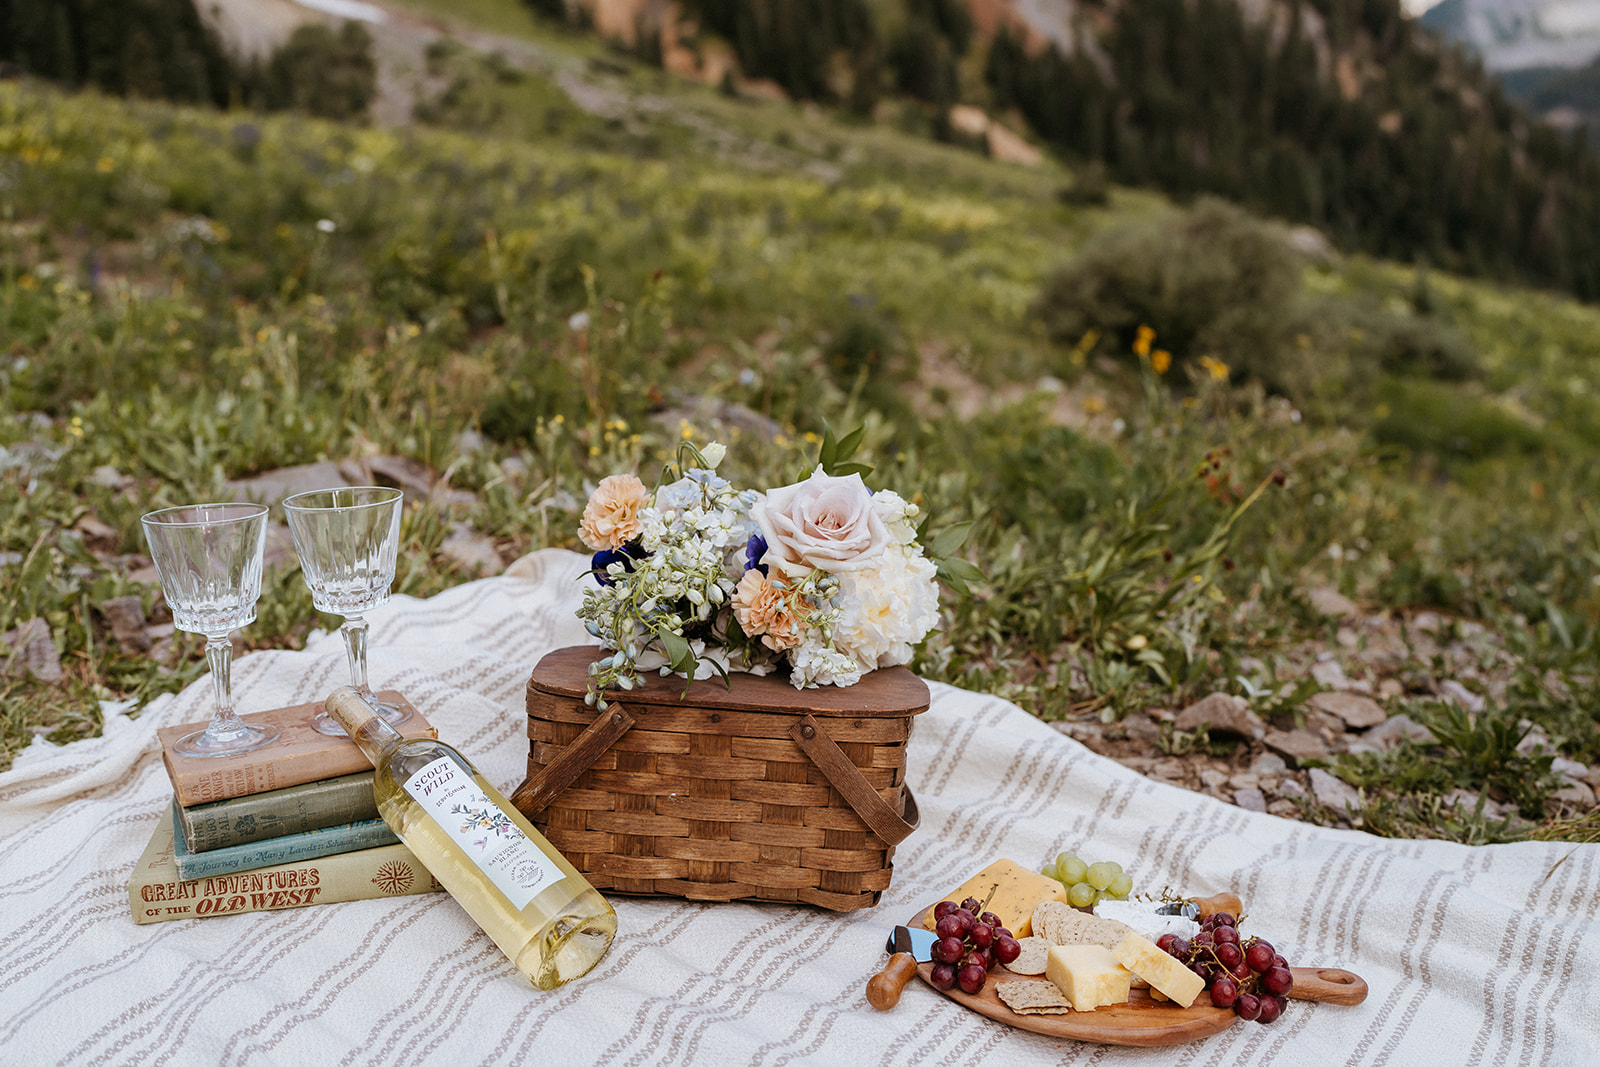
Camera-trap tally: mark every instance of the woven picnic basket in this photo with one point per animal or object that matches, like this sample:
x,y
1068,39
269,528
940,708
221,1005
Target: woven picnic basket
x,y
752,790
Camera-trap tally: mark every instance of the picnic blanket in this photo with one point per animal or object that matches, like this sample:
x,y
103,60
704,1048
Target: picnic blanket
x,y
1473,955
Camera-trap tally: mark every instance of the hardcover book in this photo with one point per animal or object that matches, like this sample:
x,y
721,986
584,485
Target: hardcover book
x,y
278,812
300,755
311,844
156,893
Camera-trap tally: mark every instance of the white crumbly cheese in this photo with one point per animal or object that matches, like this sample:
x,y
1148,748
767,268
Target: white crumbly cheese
x,y
1140,915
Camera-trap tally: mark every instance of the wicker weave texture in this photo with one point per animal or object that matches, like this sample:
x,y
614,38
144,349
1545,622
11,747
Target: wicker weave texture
x,y
721,805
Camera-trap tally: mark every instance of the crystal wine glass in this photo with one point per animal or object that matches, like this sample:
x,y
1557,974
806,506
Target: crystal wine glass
x,y
209,558
347,539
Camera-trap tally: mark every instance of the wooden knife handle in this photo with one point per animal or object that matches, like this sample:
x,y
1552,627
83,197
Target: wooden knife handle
x,y
885,987
1327,985
1228,902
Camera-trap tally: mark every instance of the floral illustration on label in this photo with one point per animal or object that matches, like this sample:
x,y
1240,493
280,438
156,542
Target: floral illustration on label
x,y
393,878
492,819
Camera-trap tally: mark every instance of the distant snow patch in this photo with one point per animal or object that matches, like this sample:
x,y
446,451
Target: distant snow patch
x,y
347,9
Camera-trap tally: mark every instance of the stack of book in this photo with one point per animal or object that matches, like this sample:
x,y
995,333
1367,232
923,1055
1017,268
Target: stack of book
x,y
291,824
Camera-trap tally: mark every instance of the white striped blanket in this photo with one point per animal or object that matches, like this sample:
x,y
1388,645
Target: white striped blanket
x,y
1473,955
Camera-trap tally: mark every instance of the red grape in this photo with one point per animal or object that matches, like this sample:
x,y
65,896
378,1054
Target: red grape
x,y
971,978
1277,980
1242,972
1225,935
1165,943
1006,949
1259,955
989,918
1001,931
1248,1006
1279,961
971,906
947,950
950,926
1271,1008
1229,955
943,908
1180,948
1224,918
943,976
981,936
1224,991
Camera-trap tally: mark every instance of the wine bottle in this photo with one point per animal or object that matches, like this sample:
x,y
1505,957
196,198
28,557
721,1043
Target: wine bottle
x,y
542,913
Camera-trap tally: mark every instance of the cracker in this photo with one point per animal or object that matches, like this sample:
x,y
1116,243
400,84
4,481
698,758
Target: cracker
x,y
1033,958
1032,998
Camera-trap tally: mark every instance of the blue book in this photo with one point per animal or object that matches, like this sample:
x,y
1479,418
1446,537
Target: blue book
x,y
310,844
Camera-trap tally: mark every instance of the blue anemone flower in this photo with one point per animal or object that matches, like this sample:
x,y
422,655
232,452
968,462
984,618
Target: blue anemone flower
x,y
754,549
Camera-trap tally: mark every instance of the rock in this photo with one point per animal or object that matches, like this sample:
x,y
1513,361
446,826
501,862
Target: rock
x,y
1224,714
403,473
31,648
704,412
97,534
1391,732
1171,770
1080,729
1250,799
1284,809
1008,147
1267,764
1291,788
280,545
1331,602
1357,712
469,441
1450,689
1467,802
1535,742
1334,792
1244,780
1391,687
126,616
1142,729
471,551
1329,674
1574,795
108,477
271,487
1298,745
1570,769
1213,779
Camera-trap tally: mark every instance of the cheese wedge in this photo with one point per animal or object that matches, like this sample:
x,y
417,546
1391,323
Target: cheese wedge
x,y
1089,976
1017,891
1162,971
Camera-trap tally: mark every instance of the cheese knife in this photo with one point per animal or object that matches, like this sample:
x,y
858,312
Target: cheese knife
x,y
908,947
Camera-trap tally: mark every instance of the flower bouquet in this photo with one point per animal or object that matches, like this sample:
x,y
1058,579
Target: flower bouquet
x,y
825,577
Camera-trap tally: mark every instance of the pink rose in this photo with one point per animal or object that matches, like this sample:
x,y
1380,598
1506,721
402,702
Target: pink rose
x,y
823,523
611,518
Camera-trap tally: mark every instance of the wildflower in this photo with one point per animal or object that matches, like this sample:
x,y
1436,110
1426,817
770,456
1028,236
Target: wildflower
x,y
1160,360
326,226
1215,367
1141,341
578,321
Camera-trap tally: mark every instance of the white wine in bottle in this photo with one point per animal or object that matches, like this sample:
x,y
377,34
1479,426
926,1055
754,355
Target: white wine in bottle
x,y
545,916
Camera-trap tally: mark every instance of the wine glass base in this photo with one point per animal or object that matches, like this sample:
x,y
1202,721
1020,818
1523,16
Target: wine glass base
x,y
204,743
323,723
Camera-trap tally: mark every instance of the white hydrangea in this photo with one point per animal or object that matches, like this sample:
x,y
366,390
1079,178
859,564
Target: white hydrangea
x,y
813,663
899,515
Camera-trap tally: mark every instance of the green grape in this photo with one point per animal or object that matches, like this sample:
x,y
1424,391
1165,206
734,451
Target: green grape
x,y
1121,886
1081,895
1100,875
1049,871
1070,870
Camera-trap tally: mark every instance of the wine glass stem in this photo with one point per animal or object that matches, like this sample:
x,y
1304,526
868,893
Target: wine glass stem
x,y
355,650
219,657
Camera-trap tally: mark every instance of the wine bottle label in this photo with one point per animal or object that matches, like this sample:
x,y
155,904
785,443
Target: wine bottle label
x,y
517,867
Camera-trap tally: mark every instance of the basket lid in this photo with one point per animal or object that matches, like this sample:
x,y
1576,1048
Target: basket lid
x,y
888,692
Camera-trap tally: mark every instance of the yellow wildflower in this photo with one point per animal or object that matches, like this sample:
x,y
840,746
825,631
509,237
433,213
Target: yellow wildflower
x,y
1141,342
1215,367
1161,360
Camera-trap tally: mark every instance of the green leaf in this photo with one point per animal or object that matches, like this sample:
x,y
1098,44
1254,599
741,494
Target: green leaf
x,y
851,442
678,652
949,540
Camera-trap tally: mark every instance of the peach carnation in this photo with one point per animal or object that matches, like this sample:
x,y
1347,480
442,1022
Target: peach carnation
x,y
611,518
763,610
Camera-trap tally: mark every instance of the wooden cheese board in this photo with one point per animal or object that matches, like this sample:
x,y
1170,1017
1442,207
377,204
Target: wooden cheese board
x,y
1142,1021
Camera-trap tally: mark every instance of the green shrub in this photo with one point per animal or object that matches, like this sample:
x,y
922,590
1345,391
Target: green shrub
x,y
323,73
1424,416
1212,282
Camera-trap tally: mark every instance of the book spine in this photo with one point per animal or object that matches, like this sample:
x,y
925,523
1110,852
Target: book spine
x,y
289,768
156,894
278,813
312,844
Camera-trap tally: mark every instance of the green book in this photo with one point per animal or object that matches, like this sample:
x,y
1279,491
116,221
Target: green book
x,y
312,844
278,812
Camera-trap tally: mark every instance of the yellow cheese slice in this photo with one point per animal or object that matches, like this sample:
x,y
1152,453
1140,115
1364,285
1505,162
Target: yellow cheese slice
x,y
1089,976
1017,891
1162,971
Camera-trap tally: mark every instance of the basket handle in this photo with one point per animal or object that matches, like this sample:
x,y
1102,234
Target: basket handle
x,y
534,795
856,790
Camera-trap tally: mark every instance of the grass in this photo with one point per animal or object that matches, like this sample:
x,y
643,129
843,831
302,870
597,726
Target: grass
x,y
188,297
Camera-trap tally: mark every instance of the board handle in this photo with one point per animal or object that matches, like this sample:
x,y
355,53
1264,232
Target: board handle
x,y
1327,985
885,987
